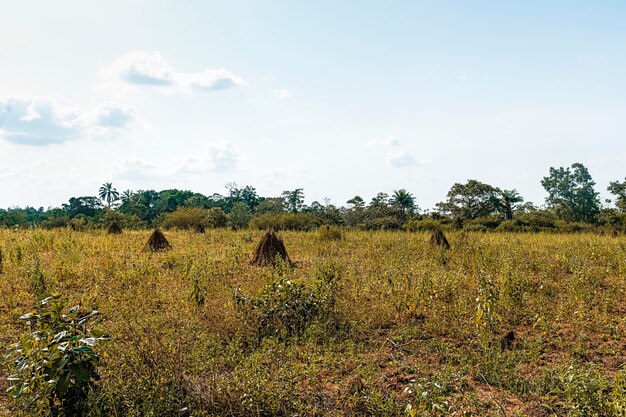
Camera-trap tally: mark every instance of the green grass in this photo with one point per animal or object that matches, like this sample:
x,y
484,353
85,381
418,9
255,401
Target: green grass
x,y
402,329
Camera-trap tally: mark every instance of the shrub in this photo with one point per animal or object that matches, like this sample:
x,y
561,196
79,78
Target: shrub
x,y
126,221
185,218
326,233
382,223
54,222
216,218
285,308
54,363
286,221
426,225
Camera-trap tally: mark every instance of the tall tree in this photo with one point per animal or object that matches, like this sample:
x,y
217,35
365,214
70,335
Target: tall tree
x,y
509,200
571,193
108,193
126,196
403,200
471,200
294,200
618,189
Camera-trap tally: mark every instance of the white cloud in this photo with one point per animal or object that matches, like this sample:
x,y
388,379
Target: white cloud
x,y
42,120
283,93
399,159
141,68
214,158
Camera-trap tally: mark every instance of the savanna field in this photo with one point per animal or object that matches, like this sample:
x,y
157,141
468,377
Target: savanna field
x,y
364,323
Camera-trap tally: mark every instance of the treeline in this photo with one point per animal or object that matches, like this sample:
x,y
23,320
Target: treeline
x,y
572,204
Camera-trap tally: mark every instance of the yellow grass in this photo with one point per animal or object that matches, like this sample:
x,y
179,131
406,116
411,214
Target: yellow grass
x,y
414,329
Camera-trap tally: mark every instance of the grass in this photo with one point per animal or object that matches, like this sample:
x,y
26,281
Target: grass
x,y
384,323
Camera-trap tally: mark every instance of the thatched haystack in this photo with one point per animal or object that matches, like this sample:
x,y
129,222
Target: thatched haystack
x,y
199,228
269,249
114,229
439,239
157,242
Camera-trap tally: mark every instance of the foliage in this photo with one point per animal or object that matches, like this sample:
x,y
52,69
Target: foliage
x,y
108,193
185,218
294,200
571,193
239,216
286,221
327,233
471,200
54,362
216,218
285,307
618,189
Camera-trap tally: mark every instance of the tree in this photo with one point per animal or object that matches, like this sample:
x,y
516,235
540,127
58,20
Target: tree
x,y
509,200
126,196
294,200
239,217
273,205
356,202
216,218
108,193
571,194
618,189
471,200
403,200
85,206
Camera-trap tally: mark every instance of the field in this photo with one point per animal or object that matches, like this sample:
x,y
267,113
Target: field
x,y
375,323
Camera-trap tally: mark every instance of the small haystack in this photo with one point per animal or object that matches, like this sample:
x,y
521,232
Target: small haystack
x,y
269,249
114,229
199,228
157,242
439,239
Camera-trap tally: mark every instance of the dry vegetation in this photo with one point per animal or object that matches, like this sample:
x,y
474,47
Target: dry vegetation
x,y
375,323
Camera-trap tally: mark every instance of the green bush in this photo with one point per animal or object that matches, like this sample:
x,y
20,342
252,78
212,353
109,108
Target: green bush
x,y
216,218
54,364
426,225
285,307
54,222
326,233
185,218
286,221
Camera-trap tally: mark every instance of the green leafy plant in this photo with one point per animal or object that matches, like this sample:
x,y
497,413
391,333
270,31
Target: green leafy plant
x,y
54,363
286,307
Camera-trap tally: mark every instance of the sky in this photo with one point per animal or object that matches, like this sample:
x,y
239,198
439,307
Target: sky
x,y
338,98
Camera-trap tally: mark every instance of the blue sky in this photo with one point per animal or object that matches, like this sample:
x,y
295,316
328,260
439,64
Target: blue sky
x,y
339,98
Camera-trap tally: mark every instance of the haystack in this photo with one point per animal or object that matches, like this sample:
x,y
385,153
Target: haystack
x,y
269,249
199,228
157,242
439,239
114,229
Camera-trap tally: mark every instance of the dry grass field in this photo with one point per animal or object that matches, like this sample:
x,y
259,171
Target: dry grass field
x,y
372,324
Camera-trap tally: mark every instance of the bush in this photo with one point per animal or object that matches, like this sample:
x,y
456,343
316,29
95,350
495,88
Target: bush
x,y
185,218
54,222
426,225
126,221
286,221
216,218
285,308
326,233
54,363
382,223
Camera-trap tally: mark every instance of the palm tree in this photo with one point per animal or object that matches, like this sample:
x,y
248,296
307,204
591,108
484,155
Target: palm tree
x,y
508,199
108,193
126,196
404,200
